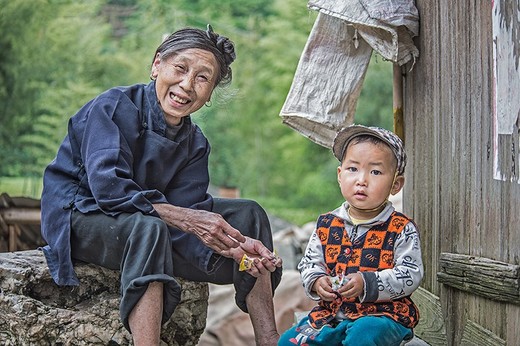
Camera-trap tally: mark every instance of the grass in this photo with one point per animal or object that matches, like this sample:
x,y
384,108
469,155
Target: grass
x,y
21,186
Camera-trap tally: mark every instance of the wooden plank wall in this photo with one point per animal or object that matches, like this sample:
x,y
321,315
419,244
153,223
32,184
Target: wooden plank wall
x,y
450,190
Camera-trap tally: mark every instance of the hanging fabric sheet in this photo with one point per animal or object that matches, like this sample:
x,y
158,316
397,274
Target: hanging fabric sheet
x,y
328,80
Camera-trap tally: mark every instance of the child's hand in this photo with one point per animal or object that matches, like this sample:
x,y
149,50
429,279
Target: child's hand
x,y
323,288
354,286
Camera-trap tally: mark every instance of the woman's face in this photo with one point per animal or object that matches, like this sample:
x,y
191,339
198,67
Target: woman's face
x,y
184,82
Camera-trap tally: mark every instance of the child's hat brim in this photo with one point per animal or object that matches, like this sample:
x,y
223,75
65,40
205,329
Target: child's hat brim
x,y
345,135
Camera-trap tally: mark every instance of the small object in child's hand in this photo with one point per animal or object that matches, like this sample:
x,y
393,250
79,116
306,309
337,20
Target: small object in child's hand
x,y
338,281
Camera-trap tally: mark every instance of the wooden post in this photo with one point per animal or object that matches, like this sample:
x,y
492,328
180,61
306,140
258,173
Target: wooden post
x,y
10,218
14,232
398,101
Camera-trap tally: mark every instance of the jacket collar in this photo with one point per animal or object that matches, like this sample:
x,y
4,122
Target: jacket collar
x,y
342,213
155,116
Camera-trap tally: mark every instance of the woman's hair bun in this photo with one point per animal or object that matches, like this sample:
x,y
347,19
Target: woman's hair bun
x,y
223,44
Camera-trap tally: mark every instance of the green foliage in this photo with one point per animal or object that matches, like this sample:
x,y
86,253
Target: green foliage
x,y
21,186
20,65
55,55
375,106
271,162
49,129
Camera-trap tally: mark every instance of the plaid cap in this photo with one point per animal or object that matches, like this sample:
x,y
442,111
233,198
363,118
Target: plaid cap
x,y
345,135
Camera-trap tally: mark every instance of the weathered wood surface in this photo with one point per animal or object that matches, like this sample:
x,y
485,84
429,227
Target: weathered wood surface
x,y
481,276
34,311
30,216
474,334
19,223
431,325
450,189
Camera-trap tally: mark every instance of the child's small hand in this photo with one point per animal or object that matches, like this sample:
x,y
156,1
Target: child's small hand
x,y
323,288
354,286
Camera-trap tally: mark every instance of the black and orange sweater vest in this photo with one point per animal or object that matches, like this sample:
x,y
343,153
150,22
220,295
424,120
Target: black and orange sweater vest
x,y
374,251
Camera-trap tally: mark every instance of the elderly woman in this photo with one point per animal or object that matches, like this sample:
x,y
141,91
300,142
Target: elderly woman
x,y
128,190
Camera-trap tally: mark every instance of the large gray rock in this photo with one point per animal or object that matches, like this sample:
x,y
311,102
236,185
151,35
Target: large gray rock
x,y
35,311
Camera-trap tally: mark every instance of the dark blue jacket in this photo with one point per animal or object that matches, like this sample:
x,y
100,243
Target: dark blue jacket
x,y
116,159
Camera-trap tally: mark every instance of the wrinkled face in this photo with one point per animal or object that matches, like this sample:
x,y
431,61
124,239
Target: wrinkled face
x,y
184,82
366,177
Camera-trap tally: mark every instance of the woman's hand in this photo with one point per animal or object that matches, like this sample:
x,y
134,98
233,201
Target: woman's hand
x,y
264,261
217,234
323,288
354,286
210,228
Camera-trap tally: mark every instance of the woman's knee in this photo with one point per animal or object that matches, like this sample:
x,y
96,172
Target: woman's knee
x,y
150,230
257,216
255,209
245,215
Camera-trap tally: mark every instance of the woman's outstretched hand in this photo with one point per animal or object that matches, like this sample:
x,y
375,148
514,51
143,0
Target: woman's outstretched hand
x,y
210,228
217,234
262,259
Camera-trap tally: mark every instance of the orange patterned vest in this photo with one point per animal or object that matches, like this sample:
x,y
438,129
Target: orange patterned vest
x,y
373,251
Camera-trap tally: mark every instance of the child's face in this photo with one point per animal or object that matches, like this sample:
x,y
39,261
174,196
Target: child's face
x,y
366,177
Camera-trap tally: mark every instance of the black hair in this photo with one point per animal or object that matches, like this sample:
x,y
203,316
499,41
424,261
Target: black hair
x,y
222,48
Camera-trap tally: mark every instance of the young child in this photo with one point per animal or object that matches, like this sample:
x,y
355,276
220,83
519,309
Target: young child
x,y
363,261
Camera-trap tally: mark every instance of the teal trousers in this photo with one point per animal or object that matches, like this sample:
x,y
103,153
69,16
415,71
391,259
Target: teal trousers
x,y
364,331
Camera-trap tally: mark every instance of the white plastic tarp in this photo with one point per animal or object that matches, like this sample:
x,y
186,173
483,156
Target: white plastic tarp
x,y
328,80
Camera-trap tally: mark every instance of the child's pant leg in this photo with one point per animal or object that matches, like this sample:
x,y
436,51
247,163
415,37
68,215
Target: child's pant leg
x,y
364,331
304,335
376,330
